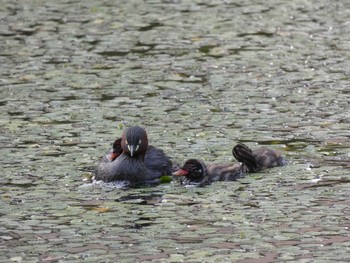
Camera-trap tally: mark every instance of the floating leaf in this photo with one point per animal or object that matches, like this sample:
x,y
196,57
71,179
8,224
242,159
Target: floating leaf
x,y
100,209
165,179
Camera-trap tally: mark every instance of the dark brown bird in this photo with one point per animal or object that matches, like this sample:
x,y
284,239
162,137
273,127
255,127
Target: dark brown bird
x,y
197,172
259,159
132,160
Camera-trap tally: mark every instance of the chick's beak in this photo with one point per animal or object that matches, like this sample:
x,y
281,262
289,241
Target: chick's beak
x,y
113,156
181,172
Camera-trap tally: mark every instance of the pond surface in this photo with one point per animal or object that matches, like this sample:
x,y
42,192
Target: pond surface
x,y
200,76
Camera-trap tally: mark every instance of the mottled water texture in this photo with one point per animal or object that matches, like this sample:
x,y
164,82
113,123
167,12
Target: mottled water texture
x,y
200,76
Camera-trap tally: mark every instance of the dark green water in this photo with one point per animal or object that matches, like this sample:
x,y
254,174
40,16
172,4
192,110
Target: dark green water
x,y
200,76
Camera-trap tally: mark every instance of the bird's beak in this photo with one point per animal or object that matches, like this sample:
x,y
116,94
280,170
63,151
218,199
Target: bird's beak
x,y
132,149
181,172
113,156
